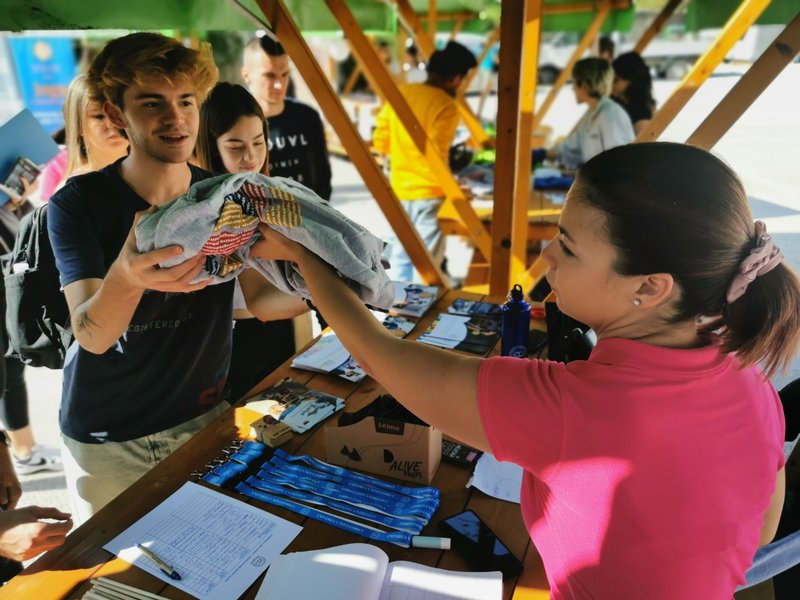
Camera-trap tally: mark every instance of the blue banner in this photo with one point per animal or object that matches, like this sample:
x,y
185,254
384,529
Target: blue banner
x,y
45,67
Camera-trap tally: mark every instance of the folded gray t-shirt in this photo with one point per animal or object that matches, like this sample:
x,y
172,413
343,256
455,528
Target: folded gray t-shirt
x,y
218,217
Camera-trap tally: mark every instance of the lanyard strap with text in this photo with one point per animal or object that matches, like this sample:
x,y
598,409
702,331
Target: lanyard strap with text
x,y
400,538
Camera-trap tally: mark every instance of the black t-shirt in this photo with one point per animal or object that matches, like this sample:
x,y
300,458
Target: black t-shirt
x,y
170,365
637,111
297,148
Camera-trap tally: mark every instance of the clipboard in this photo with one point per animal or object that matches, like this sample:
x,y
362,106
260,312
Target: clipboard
x,y
23,136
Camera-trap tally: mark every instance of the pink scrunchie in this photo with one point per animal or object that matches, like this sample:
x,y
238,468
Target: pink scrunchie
x,y
762,259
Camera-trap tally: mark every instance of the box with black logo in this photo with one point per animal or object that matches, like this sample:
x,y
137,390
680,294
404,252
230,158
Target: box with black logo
x,y
385,439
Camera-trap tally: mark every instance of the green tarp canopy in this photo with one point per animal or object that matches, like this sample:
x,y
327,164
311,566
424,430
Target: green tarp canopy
x,y
208,15
708,14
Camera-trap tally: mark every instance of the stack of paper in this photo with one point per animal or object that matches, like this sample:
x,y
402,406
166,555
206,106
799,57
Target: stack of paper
x,y
219,545
413,299
295,404
462,332
328,355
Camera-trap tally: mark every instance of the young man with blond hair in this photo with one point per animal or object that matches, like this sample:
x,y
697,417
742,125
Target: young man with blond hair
x,y
152,349
297,147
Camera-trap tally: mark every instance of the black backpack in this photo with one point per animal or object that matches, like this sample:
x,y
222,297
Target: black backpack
x,y
37,316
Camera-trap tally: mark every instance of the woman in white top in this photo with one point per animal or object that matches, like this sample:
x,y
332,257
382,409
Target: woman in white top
x,y
605,125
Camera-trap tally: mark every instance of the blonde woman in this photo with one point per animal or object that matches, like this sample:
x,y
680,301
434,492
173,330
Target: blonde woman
x,y
605,125
92,142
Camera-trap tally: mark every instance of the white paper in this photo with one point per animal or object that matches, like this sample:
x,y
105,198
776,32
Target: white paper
x,y
412,581
219,545
497,479
363,572
348,572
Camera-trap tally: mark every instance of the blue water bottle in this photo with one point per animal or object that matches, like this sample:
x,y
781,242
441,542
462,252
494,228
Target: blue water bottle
x,y
516,324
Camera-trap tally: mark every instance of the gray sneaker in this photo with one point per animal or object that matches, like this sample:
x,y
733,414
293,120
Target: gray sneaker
x,y
37,461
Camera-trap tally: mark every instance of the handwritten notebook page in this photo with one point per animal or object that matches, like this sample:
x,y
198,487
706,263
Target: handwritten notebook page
x,y
412,581
218,544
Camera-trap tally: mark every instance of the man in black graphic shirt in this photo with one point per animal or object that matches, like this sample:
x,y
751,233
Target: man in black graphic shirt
x,y
297,146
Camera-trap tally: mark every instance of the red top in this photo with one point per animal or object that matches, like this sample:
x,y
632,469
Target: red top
x,y
647,470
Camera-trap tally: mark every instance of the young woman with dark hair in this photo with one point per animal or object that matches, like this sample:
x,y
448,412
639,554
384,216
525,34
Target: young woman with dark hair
x,y
633,89
232,138
654,469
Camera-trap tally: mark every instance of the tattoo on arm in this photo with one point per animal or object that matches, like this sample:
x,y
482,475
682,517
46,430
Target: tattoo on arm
x,y
85,324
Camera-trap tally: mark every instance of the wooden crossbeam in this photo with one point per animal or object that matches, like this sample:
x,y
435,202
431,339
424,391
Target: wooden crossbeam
x,y
278,16
739,22
761,73
372,64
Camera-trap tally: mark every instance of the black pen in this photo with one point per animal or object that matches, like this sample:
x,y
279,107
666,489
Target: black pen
x,y
165,568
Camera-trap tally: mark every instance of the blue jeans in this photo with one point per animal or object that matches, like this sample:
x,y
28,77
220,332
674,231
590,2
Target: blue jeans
x,y
423,214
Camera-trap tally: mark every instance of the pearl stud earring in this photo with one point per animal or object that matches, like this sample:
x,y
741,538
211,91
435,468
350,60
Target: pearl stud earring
x,y
637,302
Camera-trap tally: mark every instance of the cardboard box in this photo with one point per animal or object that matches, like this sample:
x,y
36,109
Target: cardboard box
x,y
387,447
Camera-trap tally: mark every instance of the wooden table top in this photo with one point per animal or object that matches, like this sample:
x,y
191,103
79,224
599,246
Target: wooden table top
x,y
66,572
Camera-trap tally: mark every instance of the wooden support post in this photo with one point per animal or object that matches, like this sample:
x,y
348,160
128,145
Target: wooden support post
x,y
383,80
432,20
286,29
520,26
426,47
737,25
761,73
656,25
586,40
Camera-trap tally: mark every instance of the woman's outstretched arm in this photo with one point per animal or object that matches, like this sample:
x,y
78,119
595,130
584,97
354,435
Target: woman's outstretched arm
x,y
438,386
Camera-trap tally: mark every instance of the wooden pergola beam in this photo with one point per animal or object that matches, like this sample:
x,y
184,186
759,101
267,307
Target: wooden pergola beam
x,y
385,85
591,33
761,73
286,29
739,22
566,9
657,25
520,26
452,16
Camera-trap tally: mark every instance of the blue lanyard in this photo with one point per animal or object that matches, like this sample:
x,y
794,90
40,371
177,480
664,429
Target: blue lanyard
x,y
421,492
307,479
400,538
410,525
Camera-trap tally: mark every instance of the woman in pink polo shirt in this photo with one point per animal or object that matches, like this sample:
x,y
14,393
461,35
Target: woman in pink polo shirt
x,y
655,468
